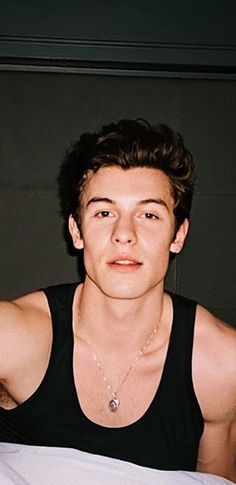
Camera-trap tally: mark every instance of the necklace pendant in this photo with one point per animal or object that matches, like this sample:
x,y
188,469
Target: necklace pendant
x,y
114,404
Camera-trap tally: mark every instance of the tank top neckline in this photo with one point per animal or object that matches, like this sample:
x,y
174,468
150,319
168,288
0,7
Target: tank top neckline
x,y
151,408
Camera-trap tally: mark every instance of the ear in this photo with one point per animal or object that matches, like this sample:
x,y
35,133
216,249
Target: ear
x,y
75,233
180,237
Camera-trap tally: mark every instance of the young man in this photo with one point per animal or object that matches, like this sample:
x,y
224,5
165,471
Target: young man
x,y
117,366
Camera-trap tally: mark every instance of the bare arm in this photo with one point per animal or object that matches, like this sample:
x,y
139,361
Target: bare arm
x,y
214,371
217,449
10,331
25,338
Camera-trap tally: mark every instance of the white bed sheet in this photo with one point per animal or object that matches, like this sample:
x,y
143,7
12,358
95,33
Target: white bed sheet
x,y
39,465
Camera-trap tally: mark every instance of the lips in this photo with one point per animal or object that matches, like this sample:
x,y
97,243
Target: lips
x,y
124,260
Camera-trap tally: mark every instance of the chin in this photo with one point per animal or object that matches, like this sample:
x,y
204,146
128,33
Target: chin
x,y
122,288
123,292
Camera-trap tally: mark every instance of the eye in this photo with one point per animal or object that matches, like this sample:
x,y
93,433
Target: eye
x,y
150,215
103,214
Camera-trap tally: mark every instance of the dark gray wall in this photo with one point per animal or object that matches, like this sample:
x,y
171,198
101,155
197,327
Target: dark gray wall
x,y
183,35
41,113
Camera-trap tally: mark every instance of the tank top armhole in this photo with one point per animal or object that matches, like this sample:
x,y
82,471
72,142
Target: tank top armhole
x,y
60,300
184,311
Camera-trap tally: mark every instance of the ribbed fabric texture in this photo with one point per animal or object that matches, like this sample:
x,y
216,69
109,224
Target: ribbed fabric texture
x,y
166,437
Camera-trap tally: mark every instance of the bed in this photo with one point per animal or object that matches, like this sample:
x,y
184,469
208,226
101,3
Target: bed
x,y
39,465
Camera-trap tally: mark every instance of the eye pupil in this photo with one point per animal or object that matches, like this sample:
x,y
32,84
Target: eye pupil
x,y
104,214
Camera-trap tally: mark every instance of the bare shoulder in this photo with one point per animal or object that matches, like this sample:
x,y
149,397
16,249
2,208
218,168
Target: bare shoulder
x,y
214,364
215,336
19,310
214,371
22,321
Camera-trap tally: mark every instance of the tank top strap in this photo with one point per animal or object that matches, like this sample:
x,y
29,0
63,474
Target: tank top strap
x,y
179,356
60,296
60,301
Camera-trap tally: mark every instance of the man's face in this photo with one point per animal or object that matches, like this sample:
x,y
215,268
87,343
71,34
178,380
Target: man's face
x,y
127,228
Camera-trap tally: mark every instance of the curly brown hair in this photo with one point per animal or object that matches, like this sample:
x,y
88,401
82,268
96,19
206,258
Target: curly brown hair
x,y
128,144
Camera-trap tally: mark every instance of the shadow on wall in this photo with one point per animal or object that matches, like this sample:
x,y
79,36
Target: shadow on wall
x,y
72,251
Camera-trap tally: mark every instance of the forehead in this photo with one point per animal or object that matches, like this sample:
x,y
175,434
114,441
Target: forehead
x,y
116,183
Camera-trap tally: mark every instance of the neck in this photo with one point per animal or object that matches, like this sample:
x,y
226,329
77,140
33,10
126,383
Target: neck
x,y
119,324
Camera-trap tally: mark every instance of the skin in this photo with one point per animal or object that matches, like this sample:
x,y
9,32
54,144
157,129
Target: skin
x,y
127,233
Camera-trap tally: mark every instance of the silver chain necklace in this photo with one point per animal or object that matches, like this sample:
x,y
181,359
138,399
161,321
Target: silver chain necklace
x,y
114,403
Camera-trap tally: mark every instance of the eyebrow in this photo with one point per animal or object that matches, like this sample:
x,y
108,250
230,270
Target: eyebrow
x,y
154,201
100,199
140,202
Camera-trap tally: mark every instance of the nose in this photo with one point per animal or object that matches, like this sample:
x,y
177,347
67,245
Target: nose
x,y
124,232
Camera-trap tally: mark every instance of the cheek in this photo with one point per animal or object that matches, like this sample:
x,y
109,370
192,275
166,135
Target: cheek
x,y
95,241
159,241
98,227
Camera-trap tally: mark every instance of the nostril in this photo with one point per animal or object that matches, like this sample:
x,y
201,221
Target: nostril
x,y
117,240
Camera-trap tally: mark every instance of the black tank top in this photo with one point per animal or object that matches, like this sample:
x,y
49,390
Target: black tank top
x,y
166,437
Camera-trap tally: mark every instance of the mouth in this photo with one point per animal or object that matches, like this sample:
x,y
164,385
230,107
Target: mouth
x,y
124,263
